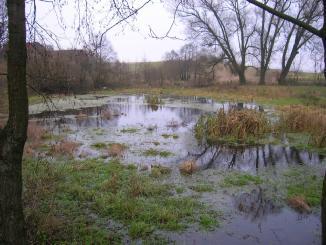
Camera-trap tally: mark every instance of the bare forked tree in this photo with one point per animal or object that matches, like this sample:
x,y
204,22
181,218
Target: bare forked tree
x,y
268,32
224,24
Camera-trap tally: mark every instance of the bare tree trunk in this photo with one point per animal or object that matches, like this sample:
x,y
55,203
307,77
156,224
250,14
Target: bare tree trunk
x,y
13,136
242,78
323,212
262,76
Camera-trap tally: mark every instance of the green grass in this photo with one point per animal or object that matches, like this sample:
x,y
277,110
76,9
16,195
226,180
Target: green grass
x,y
303,182
99,145
166,136
72,202
240,179
159,171
208,222
153,153
203,188
129,130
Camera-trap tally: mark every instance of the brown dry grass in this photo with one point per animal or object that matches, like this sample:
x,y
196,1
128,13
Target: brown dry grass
x,y
116,150
35,132
305,119
238,124
188,167
106,114
299,203
64,148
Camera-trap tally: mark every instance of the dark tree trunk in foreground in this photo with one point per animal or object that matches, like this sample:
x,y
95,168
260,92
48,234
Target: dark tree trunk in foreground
x,y
323,212
13,136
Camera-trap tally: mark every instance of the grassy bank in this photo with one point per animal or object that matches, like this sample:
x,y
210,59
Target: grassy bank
x,y
97,202
271,95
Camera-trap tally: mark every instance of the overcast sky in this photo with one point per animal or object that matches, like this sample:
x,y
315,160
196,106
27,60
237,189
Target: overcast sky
x,y
132,42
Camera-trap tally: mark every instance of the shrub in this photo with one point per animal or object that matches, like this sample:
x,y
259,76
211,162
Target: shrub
x,y
304,119
188,167
64,147
239,125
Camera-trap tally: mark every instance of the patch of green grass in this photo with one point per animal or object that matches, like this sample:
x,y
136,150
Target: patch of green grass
x,y
208,222
240,179
203,188
60,197
139,229
302,182
153,153
99,145
166,136
159,171
129,130
179,190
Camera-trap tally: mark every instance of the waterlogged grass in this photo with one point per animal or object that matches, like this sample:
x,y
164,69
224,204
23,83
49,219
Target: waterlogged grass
x,y
167,136
72,202
240,179
203,188
232,127
153,153
99,145
209,222
129,130
159,171
302,182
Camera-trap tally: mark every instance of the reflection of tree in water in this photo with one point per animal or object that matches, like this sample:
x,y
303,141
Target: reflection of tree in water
x,y
255,205
254,157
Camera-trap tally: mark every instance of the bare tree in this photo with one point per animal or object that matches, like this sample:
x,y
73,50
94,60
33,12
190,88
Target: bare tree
x,y
295,38
224,24
268,33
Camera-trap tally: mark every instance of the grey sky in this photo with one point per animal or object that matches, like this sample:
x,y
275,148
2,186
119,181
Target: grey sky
x,y
132,42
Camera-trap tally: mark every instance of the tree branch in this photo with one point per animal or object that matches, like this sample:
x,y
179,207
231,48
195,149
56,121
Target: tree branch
x,y
289,18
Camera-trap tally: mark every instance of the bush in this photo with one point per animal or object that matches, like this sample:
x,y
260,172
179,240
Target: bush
x,y
238,125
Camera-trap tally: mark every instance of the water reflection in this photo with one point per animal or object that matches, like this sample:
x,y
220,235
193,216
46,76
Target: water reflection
x,y
255,205
176,115
256,157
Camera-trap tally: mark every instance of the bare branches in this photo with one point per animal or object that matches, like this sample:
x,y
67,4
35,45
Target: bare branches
x,y
319,33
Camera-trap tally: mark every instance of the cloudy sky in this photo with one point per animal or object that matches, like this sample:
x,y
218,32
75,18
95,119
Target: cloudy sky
x,y
132,42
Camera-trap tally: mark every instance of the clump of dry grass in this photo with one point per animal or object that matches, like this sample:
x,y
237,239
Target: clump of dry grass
x,y
116,149
236,124
106,114
158,171
299,203
65,148
188,167
304,119
35,132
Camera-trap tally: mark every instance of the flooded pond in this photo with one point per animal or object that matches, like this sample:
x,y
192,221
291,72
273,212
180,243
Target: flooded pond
x,y
163,135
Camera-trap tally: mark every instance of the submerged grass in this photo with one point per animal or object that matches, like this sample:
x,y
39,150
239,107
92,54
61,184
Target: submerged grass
x,y
302,182
153,153
240,179
71,202
232,126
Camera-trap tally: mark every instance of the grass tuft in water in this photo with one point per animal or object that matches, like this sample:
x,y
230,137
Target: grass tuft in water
x,y
153,153
240,179
232,126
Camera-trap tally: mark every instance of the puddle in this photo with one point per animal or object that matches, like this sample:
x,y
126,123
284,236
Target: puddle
x,y
149,131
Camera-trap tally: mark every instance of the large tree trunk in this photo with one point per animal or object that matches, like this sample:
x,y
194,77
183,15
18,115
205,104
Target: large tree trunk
x,y
13,136
242,78
323,212
262,76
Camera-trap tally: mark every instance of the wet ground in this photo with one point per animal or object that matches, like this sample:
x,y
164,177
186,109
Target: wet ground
x,y
163,135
